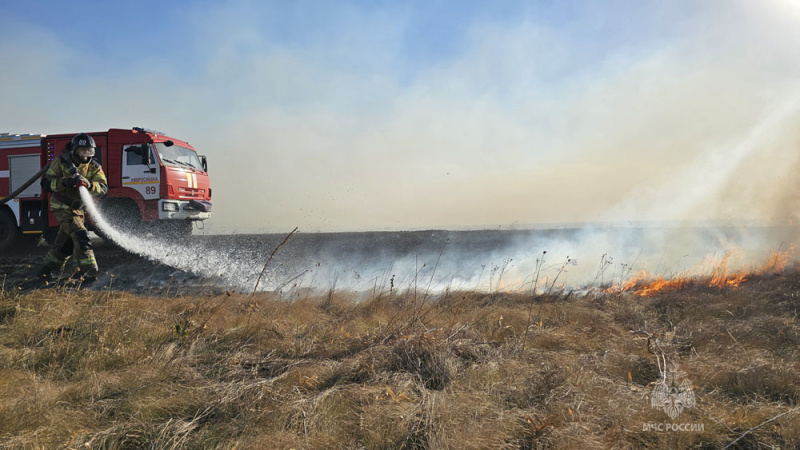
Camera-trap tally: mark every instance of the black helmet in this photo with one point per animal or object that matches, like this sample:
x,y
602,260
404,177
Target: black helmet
x,y
82,140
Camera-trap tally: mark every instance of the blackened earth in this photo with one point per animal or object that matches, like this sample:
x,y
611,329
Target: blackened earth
x,y
402,259
122,270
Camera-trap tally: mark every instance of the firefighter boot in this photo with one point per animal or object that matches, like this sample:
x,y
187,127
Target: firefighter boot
x,y
52,268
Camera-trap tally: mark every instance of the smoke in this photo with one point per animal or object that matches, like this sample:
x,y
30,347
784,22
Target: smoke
x,y
409,117
432,262
753,181
522,119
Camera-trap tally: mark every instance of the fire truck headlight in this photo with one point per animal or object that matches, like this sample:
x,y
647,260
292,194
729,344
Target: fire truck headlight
x,y
169,207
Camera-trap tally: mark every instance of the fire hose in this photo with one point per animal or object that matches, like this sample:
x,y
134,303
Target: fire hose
x,y
26,184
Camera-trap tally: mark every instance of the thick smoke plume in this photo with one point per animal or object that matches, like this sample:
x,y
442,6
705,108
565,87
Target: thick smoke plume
x,y
681,118
520,123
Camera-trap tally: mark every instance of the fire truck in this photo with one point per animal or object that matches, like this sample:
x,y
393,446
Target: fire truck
x,y
155,182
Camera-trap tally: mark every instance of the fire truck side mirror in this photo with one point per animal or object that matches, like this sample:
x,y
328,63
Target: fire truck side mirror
x,y
204,163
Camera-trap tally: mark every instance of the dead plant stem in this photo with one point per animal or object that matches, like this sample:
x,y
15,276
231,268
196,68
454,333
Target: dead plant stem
x,y
272,255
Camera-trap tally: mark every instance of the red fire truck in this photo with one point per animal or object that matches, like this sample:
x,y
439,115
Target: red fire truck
x,y
154,180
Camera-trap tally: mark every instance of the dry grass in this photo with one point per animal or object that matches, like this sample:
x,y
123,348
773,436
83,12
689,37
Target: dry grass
x,y
83,369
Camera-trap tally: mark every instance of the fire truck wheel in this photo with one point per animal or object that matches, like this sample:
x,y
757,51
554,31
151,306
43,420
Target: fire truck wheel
x,y
9,232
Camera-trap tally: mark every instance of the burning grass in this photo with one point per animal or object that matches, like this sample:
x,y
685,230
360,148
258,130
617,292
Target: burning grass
x,y
457,370
712,272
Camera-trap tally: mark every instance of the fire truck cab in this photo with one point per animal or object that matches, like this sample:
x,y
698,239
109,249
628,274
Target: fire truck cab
x,y
155,181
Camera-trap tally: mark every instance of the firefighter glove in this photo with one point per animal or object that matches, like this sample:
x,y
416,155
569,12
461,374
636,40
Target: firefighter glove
x,y
81,181
69,182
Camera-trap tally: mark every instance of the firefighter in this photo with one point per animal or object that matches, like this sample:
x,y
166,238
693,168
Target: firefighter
x,y
73,169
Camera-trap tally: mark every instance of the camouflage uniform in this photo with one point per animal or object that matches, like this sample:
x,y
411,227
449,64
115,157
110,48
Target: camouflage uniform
x,y
66,205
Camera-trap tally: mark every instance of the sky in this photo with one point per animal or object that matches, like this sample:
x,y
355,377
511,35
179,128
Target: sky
x,y
390,115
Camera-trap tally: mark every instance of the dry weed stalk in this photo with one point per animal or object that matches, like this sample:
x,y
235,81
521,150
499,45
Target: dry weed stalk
x,y
272,255
654,347
770,420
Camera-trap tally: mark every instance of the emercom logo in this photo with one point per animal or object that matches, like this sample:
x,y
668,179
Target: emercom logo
x,y
673,392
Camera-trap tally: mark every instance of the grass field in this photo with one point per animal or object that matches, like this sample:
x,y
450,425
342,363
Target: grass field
x,y
94,369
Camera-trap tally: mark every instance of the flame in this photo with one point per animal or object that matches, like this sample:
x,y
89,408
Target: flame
x,y
634,280
661,285
512,287
726,270
644,284
721,277
733,280
777,261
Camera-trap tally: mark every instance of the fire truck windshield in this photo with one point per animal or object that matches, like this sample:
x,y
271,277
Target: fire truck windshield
x,y
178,156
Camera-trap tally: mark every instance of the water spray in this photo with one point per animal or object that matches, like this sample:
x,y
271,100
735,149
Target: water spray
x,y
181,256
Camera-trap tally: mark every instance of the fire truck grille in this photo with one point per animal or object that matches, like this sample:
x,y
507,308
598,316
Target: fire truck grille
x,y
190,192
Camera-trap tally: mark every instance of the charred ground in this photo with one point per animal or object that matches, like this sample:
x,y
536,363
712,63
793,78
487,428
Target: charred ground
x,y
454,260
342,254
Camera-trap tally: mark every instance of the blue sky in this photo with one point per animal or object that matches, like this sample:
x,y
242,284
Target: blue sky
x,y
422,33
397,115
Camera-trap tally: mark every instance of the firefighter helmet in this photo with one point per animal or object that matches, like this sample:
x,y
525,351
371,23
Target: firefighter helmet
x,y
83,148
